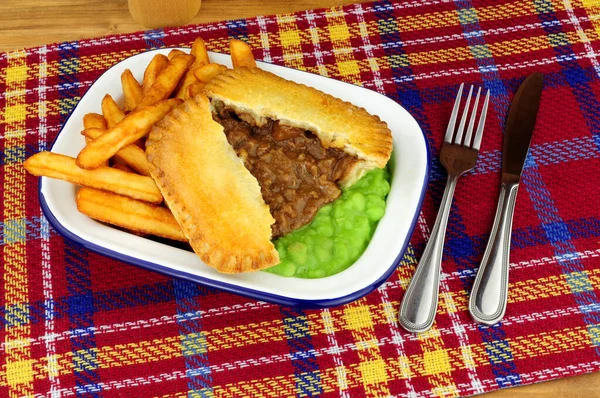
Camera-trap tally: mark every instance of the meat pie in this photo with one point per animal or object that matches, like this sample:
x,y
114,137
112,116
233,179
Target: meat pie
x,y
254,158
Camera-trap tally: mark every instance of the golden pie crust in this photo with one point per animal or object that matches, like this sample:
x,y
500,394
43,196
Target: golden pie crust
x,y
261,95
214,198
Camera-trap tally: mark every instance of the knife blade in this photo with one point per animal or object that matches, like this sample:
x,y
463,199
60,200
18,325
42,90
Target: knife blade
x,y
520,125
487,302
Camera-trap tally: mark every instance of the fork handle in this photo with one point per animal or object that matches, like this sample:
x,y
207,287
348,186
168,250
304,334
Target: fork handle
x,y
420,301
487,303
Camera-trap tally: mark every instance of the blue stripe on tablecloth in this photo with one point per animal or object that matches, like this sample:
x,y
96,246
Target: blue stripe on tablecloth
x,y
494,338
80,303
407,93
483,57
550,153
154,38
193,339
162,292
577,77
560,238
68,89
80,309
441,93
548,213
299,340
237,29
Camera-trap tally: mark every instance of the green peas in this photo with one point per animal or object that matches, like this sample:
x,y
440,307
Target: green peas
x,y
289,269
323,250
340,252
339,233
317,273
375,207
284,268
358,201
325,230
298,252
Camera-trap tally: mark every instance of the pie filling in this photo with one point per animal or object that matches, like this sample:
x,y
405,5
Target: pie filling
x,y
297,175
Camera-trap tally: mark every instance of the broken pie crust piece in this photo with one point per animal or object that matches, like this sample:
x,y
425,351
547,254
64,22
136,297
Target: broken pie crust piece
x,y
215,199
259,95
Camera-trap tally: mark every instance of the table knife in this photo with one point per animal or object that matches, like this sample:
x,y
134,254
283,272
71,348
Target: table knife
x,y
487,303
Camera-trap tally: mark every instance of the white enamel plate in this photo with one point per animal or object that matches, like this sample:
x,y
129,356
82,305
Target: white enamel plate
x,y
409,168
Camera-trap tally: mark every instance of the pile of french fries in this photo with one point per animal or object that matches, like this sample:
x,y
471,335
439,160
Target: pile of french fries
x,y
112,169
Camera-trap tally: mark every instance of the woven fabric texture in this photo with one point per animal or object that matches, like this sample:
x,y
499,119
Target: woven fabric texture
x,y
75,323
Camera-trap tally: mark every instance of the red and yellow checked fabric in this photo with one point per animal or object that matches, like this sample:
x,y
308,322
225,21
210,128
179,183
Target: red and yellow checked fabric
x,y
74,323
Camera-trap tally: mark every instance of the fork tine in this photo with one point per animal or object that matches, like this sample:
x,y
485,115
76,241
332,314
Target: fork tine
x,y
472,120
450,129
463,119
479,134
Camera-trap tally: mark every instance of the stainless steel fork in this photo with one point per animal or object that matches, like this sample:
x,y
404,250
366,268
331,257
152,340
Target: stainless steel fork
x,y
458,155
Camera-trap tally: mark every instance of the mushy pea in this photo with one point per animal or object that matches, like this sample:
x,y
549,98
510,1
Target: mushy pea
x,y
339,233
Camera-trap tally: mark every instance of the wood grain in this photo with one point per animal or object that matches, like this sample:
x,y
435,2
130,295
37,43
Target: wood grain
x,y
33,23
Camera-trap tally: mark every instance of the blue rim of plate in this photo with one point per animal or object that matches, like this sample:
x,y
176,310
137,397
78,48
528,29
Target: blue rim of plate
x,y
228,287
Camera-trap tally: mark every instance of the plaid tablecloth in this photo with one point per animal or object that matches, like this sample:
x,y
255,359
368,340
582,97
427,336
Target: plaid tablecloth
x,y
76,323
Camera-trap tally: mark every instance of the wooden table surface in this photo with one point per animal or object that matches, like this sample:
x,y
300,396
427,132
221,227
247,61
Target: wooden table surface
x,y
33,23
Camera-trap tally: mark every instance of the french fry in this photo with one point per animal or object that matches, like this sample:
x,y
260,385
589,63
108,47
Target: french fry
x,y
173,53
132,155
187,80
132,91
101,131
94,120
206,73
134,126
241,54
111,111
198,51
63,167
166,82
193,89
129,213
123,167
158,63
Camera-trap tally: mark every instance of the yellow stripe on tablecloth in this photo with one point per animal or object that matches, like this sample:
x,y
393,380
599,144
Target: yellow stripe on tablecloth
x,y
593,11
347,66
290,39
419,22
325,323
278,386
497,49
537,345
436,363
18,373
591,5
281,385
338,32
243,335
357,317
512,10
181,394
431,362
529,290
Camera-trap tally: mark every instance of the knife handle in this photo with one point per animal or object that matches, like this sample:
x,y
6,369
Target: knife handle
x,y
420,302
487,303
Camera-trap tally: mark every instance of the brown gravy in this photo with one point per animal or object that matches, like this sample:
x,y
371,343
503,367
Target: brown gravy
x,y
297,175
